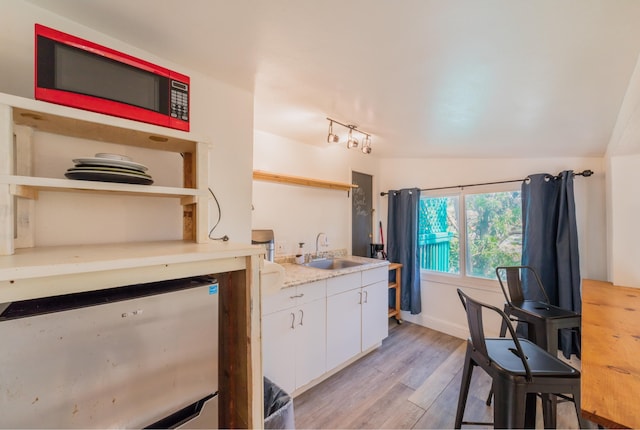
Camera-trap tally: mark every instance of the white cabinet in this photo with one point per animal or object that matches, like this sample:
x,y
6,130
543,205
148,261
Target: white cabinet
x,y
313,328
294,335
356,314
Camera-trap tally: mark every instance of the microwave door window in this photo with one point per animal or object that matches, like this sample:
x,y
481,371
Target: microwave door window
x,y
85,73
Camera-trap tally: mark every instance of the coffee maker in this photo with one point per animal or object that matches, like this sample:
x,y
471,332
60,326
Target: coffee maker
x,y
377,251
265,238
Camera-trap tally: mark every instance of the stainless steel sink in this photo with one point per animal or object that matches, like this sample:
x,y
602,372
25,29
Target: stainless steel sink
x,y
332,264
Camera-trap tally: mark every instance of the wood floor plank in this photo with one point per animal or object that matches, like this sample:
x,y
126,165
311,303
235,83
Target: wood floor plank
x,y
416,354
428,392
375,412
429,357
331,403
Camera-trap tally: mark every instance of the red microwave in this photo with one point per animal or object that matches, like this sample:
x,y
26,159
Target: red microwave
x,y
75,72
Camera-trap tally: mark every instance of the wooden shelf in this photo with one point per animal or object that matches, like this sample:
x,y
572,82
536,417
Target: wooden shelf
x,y
298,180
28,187
20,117
66,121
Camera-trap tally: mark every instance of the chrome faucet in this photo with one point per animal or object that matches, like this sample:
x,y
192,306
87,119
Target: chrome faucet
x,y
318,241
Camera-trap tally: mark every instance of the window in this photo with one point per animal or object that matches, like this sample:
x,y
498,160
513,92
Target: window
x,y
474,241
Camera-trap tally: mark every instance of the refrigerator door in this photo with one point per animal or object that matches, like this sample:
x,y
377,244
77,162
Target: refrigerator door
x,y
206,419
124,364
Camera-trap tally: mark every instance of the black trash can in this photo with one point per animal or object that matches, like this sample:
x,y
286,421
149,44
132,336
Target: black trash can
x,y
278,407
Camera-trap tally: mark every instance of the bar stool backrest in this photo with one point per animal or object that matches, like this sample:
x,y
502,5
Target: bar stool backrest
x,y
513,276
473,309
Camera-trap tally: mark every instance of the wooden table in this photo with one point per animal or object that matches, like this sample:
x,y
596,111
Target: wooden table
x,y
610,354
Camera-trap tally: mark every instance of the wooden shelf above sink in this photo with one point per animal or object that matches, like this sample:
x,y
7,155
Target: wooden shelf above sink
x,y
298,180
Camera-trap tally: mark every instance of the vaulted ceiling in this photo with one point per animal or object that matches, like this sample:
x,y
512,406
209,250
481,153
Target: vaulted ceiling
x,y
427,78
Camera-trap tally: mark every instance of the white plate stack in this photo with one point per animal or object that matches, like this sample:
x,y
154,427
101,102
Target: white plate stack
x,y
109,168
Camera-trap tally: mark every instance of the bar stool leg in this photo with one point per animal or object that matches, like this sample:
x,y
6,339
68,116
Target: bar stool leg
x,y
509,404
464,387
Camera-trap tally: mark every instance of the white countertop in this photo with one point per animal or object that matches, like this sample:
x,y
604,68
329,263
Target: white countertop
x,y
297,274
63,260
49,271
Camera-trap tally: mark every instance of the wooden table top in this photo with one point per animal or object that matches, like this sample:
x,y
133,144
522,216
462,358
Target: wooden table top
x,y
610,354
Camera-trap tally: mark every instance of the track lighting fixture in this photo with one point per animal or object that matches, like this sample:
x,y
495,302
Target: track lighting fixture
x,y
352,141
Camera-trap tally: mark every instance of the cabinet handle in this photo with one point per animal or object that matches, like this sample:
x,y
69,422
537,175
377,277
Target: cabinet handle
x,y
366,296
360,300
296,296
301,316
293,320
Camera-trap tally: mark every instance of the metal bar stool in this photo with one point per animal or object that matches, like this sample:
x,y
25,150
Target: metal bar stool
x,y
519,370
542,318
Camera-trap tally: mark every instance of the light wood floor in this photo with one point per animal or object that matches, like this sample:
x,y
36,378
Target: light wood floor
x,y
411,381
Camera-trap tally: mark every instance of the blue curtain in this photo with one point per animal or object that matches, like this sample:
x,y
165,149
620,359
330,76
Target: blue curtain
x,y
402,246
550,244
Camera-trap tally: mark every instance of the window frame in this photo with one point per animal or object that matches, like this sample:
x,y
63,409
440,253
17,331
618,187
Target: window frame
x,y
461,278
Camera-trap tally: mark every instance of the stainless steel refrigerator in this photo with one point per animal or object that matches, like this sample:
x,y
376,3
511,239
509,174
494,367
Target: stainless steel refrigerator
x,y
128,357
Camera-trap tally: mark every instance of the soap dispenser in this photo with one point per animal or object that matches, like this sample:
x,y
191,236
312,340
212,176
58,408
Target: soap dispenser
x,y
300,253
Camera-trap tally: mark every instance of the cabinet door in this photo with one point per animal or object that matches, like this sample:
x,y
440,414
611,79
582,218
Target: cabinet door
x,y
311,341
375,322
343,327
278,348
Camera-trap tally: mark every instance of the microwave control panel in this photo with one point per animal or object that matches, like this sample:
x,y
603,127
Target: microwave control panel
x,y
179,100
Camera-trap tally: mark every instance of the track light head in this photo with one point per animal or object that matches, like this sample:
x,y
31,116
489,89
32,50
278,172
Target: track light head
x,y
332,137
352,142
366,145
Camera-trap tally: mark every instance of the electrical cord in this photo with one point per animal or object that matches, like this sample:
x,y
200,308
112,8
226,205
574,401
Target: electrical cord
x,y
224,238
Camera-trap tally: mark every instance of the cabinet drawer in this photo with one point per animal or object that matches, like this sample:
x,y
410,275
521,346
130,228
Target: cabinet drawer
x,y
309,292
372,276
294,296
283,299
343,283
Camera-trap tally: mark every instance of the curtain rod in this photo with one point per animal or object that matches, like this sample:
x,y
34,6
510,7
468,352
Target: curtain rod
x,y
585,173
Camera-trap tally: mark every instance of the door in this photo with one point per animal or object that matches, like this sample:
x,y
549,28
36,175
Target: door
x,y
361,215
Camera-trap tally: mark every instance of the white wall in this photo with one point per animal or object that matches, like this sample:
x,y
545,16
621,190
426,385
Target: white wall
x,y
221,113
623,199
441,308
624,210
297,213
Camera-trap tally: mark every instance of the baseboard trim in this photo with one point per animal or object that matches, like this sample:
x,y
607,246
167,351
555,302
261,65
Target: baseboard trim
x,y
447,327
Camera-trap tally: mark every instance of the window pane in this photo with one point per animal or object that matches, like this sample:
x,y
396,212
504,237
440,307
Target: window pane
x,y
438,239
494,232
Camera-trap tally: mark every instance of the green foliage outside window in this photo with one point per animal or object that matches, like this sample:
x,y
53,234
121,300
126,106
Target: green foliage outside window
x,y
494,232
493,238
